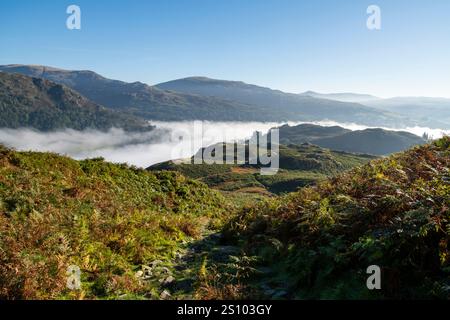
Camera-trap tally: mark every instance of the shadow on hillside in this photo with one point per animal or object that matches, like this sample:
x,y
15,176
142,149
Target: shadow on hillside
x,y
207,251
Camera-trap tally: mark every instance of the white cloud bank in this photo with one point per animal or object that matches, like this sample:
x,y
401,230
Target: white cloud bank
x,y
145,149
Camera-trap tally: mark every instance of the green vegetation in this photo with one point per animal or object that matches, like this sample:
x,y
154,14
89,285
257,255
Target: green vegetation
x,y
113,221
318,242
44,105
137,234
207,99
370,141
300,166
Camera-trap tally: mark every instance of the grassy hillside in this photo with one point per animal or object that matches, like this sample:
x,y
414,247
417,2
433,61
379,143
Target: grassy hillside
x,y
136,234
116,223
45,105
299,166
318,242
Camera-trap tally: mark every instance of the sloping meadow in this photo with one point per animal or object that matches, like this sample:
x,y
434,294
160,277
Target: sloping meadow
x,y
317,243
101,221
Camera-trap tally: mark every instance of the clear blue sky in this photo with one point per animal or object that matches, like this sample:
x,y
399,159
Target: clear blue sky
x,y
320,45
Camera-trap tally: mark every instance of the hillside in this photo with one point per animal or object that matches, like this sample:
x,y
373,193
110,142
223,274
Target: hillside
x,y
318,242
207,99
300,166
136,234
45,105
372,141
140,99
307,133
123,227
369,141
288,106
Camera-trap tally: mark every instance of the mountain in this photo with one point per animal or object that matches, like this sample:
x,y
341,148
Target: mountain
x,y
369,141
287,106
318,243
300,166
200,98
432,112
45,105
343,97
140,99
307,133
372,141
121,227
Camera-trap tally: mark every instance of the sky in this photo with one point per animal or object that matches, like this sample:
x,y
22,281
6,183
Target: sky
x,y
290,45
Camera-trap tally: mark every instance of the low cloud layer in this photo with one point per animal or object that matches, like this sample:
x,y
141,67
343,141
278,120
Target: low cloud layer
x,y
170,140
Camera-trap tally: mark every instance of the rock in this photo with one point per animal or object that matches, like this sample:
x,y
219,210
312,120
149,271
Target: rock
x,y
168,281
178,256
166,270
153,264
139,274
147,272
165,295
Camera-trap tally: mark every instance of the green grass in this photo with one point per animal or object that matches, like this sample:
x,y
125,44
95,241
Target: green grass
x,y
300,166
114,222
110,220
318,242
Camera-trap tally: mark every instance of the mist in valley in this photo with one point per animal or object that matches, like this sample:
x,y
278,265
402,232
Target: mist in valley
x,y
169,141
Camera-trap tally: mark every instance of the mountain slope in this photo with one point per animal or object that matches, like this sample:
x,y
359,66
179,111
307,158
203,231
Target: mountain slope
x,y
299,166
288,106
140,99
208,99
318,243
122,227
45,105
307,133
369,141
344,97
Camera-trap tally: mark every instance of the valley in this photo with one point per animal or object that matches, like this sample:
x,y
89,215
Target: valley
x,y
98,176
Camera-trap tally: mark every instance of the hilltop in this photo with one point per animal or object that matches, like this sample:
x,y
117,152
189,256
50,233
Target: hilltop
x,y
45,105
370,141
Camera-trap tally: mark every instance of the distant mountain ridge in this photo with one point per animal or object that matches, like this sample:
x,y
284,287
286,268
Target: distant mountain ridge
x,y
44,105
432,112
138,98
369,141
288,106
201,98
343,97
